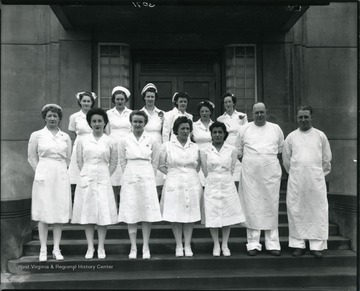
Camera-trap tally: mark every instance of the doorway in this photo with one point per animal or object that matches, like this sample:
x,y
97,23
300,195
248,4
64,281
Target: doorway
x,y
197,73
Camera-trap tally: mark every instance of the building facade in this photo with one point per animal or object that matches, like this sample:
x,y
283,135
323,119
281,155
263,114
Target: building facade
x,y
279,54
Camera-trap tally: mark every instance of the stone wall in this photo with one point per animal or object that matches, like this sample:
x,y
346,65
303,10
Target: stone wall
x,y
326,43
39,65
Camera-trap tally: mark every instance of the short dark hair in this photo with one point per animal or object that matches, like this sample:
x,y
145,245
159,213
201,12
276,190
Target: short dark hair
x,y
304,107
257,102
139,113
151,89
54,109
118,92
228,94
219,124
86,93
180,120
98,111
205,104
181,95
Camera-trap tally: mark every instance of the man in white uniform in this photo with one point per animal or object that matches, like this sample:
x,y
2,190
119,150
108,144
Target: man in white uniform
x,y
307,157
259,144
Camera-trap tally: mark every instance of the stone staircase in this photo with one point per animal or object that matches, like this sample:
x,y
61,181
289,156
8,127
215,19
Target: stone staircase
x,y
335,271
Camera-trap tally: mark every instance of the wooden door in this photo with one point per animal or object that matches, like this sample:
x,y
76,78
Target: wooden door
x,y
194,73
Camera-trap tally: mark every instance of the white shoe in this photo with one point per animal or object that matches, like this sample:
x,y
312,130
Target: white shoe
x,y
89,254
43,256
57,255
133,254
179,252
188,252
226,252
146,254
216,251
101,254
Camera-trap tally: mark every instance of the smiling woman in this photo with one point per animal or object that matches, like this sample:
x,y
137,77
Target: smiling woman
x,y
221,200
94,202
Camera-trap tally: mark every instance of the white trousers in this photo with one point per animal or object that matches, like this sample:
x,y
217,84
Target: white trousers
x,y
315,245
271,239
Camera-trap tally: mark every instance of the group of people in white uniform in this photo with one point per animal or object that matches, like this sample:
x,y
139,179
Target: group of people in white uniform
x,y
221,173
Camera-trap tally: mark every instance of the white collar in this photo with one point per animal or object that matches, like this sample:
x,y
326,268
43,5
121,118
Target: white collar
x,y
178,144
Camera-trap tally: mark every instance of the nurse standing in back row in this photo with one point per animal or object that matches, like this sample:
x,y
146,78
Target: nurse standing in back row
x,y
233,120
155,121
181,100
80,128
120,126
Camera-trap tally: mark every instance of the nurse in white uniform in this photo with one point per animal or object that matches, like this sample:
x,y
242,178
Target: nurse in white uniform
x,y
139,158
181,101
119,125
221,200
181,195
201,133
94,202
156,117
233,120
49,153
79,127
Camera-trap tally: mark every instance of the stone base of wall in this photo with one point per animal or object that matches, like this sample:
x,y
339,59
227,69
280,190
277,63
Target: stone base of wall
x,y
16,228
343,212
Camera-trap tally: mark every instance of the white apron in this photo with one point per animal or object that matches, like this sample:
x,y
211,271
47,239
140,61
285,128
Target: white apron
x,y
307,205
307,157
260,187
51,192
221,200
94,201
181,196
138,197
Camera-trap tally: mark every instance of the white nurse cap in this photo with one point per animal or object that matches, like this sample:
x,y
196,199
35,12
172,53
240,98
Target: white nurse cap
x,y
121,88
78,95
148,86
51,105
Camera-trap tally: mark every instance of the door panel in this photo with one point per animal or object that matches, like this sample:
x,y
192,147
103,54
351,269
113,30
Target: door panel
x,y
199,88
196,73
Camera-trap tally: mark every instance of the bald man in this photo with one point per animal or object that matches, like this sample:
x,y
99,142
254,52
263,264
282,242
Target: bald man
x,y
259,144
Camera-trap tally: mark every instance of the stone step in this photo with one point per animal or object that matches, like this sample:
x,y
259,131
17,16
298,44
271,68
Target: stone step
x,y
121,263
120,231
316,277
164,246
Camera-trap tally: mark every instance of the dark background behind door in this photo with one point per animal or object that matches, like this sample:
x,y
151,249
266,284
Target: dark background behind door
x,y
197,73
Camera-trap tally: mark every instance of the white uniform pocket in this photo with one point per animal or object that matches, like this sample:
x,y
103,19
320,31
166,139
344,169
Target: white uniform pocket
x,y
84,181
40,175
